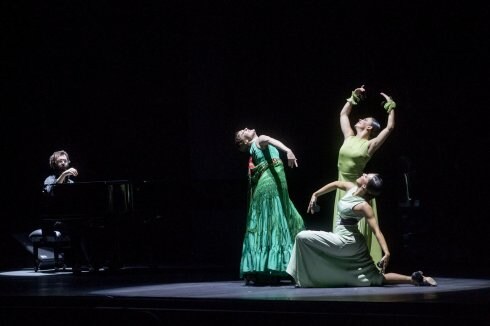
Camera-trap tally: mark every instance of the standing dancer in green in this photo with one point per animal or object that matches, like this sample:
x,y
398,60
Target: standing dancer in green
x,y
356,151
272,218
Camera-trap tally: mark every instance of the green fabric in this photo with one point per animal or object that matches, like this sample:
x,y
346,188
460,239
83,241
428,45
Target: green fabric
x,y
335,259
354,99
352,160
272,219
389,105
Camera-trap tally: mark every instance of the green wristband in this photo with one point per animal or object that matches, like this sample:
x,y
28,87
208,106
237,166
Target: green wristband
x,y
389,105
354,99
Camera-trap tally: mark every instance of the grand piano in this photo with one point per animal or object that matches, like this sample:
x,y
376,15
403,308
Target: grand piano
x,y
109,217
95,201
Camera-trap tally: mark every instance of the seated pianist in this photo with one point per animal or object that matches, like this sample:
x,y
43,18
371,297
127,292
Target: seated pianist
x,y
98,217
93,215
62,173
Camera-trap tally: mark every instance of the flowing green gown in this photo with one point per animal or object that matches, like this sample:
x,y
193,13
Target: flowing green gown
x,y
352,160
272,219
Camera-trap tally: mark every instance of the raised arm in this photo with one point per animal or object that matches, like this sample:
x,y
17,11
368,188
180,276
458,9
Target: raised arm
x,y
326,189
67,173
379,140
264,140
52,180
355,98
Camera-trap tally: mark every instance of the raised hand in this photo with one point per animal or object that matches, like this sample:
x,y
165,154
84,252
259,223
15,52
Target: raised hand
x,y
357,95
388,103
292,161
313,206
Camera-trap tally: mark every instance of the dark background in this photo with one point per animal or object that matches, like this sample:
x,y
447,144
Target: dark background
x,y
155,90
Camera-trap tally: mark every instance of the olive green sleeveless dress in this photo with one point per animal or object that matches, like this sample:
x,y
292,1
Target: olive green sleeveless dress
x,y
352,160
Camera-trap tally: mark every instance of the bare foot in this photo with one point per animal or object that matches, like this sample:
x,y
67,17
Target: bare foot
x,y
419,279
429,281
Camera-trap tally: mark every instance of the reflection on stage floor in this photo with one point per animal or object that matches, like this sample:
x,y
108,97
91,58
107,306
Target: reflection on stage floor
x,y
177,295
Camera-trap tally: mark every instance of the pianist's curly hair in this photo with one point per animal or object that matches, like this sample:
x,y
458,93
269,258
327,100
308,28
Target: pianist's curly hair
x,y
54,157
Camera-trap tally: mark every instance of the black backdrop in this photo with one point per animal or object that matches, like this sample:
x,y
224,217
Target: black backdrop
x,y
154,90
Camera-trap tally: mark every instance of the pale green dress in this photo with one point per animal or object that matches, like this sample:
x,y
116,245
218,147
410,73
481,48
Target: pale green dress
x,y
335,259
352,160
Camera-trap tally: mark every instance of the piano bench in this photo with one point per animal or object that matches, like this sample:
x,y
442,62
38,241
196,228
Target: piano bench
x,y
53,240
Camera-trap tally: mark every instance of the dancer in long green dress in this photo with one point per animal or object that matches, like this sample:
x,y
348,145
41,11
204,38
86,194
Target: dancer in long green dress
x,y
272,219
341,258
356,151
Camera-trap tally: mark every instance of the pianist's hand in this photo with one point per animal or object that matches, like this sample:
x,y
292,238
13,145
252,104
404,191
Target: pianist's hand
x,y
71,171
67,173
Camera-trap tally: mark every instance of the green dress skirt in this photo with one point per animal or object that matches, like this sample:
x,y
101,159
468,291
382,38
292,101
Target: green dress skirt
x,y
272,219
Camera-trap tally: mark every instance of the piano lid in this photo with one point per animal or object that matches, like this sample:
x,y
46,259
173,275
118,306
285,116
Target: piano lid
x,y
93,199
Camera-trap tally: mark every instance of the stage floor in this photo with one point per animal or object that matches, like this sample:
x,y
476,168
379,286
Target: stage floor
x,y
178,296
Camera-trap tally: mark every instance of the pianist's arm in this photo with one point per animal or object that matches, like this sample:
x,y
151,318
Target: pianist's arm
x,y
63,178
